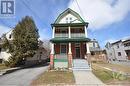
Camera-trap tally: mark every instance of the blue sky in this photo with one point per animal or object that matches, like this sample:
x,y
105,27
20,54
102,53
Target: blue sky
x,y
109,20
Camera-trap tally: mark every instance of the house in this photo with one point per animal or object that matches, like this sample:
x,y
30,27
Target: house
x,y
69,40
40,55
97,54
119,50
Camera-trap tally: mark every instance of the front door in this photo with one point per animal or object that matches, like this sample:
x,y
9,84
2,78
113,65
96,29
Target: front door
x,y
77,52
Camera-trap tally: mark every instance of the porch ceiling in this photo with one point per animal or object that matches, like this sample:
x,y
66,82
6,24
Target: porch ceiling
x,y
67,40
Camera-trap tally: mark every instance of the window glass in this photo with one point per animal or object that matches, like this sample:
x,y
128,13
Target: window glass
x,y
119,53
63,48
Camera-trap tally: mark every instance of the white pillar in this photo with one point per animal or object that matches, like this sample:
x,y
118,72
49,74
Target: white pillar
x,y
87,46
69,49
53,32
86,34
52,48
69,32
52,44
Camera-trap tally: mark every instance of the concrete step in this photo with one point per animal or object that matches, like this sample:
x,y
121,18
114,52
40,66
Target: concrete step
x,y
80,64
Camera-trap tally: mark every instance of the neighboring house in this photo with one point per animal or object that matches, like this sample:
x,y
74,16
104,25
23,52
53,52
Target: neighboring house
x,y
40,55
97,54
69,39
118,51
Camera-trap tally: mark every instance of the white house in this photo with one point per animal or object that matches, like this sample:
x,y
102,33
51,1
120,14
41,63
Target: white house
x,y
119,50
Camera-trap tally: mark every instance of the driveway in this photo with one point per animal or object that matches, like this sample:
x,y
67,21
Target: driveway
x,y
22,77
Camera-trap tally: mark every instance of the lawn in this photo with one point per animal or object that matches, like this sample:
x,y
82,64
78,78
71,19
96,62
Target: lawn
x,y
116,67
108,77
55,77
2,66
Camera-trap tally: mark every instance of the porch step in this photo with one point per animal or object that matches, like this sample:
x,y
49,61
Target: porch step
x,y
80,64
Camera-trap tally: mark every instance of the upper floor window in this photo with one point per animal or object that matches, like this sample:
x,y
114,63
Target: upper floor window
x,y
117,45
119,53
10,36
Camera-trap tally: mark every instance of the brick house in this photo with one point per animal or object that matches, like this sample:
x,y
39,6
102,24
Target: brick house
x,y
69,40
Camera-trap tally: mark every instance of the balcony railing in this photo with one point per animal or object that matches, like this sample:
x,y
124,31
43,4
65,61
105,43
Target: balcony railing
x,y
77,35
73,35
61,35
127,47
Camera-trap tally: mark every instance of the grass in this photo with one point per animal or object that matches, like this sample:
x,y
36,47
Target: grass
x,y
117,67
54,77
2,66
106,76
102,74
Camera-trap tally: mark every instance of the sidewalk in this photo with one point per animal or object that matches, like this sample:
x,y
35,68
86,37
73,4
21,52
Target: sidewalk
x,y
86,78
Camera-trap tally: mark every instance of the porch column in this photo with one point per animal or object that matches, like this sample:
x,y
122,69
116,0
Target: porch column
x,y
70,52
52,51
86,34
88,54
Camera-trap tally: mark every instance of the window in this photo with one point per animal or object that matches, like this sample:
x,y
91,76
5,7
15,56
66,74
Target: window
x,y
66,20
119,53
10,36
63,48
117,45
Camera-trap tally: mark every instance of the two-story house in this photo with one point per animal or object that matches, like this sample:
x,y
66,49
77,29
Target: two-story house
x,y
119,50
69,39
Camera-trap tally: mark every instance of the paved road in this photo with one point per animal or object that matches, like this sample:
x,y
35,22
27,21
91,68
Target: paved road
x,y
21,77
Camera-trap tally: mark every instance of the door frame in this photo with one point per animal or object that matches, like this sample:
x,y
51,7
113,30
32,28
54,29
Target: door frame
x,y
78,45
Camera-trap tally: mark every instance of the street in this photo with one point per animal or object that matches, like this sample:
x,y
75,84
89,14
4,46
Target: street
x,y
22,77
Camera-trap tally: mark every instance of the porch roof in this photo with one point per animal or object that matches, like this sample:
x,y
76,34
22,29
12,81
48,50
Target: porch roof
x,y
67,40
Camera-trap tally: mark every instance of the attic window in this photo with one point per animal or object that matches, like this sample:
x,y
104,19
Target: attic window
x,y
10,36
66,20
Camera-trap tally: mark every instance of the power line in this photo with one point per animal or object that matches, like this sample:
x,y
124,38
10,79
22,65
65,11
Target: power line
x,y
79,8
34,13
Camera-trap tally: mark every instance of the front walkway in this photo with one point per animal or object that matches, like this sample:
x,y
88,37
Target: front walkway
x,y
83,74
86,78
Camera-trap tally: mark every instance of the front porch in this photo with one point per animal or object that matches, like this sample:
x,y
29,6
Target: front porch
x,y
65,53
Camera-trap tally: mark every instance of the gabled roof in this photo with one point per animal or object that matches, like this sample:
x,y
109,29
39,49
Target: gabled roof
x,y
65,13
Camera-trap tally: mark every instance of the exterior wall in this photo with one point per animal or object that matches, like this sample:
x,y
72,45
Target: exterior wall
x,y
111,54
121,50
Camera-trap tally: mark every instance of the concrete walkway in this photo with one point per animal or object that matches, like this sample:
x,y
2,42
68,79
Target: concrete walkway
x,y
86,78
